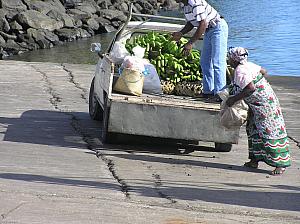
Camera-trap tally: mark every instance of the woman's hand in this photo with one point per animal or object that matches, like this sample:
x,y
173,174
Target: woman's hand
x,y
264,72
176,36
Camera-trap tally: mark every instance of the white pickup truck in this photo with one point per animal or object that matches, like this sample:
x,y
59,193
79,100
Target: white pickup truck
x,y
163,116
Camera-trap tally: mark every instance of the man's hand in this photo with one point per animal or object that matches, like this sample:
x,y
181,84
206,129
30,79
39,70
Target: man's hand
x,y
176,36
187,48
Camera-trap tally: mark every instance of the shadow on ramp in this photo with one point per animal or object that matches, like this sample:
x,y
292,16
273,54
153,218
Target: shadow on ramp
x,y
51,128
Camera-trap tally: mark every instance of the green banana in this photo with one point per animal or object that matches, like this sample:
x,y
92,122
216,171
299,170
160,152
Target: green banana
x,y
170,63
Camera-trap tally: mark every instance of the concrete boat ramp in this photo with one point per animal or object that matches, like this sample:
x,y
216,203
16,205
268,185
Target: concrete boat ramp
x,y
54,168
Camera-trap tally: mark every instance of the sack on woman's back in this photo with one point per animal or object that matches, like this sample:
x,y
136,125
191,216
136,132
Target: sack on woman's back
x,y
235,116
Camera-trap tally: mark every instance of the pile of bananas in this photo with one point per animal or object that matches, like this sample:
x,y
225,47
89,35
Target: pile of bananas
x,y
166,55
184,88
168,87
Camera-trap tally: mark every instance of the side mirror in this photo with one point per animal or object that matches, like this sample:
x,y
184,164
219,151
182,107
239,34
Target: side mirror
x,y
96,47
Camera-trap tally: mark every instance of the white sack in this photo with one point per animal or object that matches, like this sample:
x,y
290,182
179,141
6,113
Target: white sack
x,y
118,53
235,116
151,81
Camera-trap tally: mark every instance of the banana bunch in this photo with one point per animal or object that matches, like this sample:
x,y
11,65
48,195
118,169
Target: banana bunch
x,y
184,88
170,68
167,56
151,41
167,87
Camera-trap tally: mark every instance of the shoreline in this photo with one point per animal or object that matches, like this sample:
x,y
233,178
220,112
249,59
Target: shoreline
x,y
32,25
288,82
277,79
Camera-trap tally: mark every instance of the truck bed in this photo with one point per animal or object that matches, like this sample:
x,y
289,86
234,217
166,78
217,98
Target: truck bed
x,y
167,100
164,116
168,116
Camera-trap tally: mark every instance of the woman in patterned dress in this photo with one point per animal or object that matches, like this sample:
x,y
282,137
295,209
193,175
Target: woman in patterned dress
x,y
267,136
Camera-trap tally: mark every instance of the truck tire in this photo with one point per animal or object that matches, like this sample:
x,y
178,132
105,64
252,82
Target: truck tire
x,y
223,147
95,110
106,136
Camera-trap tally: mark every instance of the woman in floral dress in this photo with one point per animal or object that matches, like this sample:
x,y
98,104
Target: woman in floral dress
x,y
266,131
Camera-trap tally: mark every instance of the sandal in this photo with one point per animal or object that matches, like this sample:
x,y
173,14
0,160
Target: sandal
x,y
278,171
251,164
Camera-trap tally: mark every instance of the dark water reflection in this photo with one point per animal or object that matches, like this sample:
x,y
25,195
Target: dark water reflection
x,y
77,52
269,29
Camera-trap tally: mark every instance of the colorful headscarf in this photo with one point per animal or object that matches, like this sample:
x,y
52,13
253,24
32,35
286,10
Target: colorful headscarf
x,y
238,54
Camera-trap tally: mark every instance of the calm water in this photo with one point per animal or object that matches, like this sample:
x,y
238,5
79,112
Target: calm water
x,y
269,29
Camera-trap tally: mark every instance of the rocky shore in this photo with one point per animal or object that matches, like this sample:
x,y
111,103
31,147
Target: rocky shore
x,y
27,25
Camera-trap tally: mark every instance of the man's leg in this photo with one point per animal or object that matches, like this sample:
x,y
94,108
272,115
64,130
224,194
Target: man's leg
x,y
219,52
206,65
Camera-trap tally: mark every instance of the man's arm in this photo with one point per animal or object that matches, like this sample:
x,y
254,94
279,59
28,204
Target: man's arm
x,y
199,32
197,35
187,28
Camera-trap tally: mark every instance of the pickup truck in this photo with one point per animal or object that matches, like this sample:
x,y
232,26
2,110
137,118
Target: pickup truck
x,y
153,115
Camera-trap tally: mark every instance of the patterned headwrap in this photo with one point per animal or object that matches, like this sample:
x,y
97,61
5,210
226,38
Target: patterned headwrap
x,y
238,54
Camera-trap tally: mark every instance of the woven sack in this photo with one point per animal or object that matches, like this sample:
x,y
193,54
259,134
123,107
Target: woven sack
x,y
235,116
130,82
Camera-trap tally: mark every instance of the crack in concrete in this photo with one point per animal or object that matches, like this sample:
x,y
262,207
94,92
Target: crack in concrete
x,y
5,215
25,3
111,167
55,99
91,145
76,84
158,185
75,123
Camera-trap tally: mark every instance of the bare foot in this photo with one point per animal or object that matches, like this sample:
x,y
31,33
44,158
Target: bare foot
x,y
278,171
251,164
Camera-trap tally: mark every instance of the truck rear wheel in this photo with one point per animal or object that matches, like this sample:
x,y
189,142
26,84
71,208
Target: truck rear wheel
x,y
107,137
223,147
95,110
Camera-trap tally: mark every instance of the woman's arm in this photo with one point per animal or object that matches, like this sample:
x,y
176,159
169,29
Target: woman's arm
x,y
264,72
247,91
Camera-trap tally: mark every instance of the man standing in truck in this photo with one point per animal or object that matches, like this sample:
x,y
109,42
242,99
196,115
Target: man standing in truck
x,y
200,14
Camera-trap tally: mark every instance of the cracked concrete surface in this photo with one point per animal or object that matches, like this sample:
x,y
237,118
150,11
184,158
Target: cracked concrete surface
x,y
54,168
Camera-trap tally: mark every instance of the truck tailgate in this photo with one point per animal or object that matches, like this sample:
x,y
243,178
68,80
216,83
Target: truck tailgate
x,y
168,116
